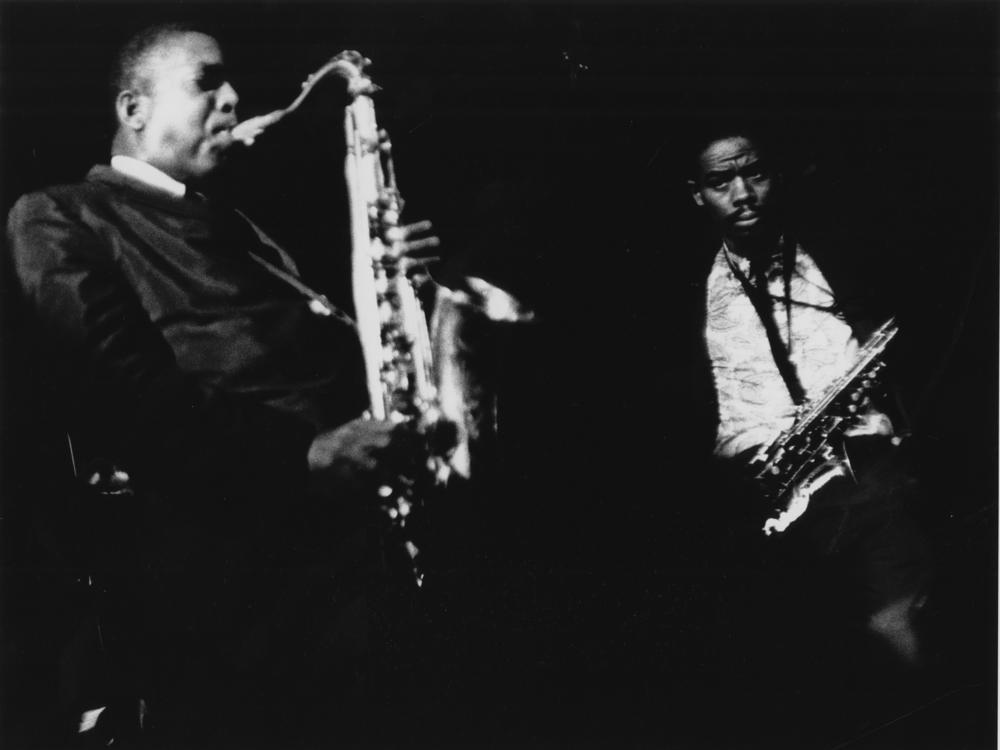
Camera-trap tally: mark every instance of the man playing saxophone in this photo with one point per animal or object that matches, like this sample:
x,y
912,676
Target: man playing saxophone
x,y
776,335
185,354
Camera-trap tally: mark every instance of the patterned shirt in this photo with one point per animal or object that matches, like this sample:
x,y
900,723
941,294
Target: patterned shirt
x,y
754,402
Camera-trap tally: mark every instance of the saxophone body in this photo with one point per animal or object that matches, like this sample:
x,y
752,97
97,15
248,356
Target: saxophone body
x,y
391,322
811,452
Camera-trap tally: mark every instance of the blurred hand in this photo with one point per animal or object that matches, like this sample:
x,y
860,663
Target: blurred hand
x,y
872,422
360,455
798,501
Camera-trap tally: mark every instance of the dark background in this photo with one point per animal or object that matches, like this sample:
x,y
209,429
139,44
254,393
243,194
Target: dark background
x,y
546,142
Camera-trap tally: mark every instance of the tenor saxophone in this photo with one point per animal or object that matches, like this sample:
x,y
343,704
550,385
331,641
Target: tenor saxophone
x,y
389,318
391,322
418,376
813,446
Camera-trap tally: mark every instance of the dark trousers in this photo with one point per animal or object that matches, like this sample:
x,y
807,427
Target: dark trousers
x,y
245,634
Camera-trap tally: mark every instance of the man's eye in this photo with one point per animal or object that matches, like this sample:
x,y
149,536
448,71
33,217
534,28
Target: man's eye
x,y
757,171
208,83
718,184
210,80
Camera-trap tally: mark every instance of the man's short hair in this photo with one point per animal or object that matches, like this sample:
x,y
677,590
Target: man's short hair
x,y
127,72
758,132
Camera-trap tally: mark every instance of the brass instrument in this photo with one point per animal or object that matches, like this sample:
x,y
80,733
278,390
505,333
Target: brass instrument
x,y
401,371
811,452
391,324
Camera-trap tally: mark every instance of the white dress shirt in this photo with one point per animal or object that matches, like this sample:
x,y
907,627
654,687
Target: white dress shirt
x,y
148,174
754,402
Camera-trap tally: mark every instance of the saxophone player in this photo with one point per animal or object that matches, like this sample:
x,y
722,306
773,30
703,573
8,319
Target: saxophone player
x,y
775,334
179,353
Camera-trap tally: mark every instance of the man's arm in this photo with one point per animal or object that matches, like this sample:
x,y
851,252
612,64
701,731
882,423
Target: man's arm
x,y
168,427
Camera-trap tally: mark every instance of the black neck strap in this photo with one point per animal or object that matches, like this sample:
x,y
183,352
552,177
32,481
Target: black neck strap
x,y
761,300
318,302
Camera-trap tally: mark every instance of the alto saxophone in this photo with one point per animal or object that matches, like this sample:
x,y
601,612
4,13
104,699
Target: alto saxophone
x,y
811,451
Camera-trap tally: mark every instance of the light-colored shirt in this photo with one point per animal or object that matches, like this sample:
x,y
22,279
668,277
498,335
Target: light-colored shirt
x,y
754,403
148,174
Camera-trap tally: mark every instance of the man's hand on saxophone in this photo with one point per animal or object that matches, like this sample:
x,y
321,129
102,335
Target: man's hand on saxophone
x,y
406,239
359,456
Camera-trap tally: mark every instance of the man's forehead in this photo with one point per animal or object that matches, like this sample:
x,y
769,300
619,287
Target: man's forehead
x,y
189,50
728,153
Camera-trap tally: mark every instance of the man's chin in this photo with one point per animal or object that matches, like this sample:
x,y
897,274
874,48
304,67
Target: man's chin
x,y
751,239
208,175
212,162
214,158
746,232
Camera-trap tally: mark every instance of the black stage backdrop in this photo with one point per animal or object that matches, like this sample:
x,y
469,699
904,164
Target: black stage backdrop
x,y
547,143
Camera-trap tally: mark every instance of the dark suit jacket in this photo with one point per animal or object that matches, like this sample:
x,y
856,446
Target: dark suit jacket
x,y
168,349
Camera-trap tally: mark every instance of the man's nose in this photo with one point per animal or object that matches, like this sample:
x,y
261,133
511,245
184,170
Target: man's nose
x,y
226,99
742,191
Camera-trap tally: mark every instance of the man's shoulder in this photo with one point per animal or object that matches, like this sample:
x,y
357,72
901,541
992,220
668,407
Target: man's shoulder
x,y
62,197
99,200
858,285
703,256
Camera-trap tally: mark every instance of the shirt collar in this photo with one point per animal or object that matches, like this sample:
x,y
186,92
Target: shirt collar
x,y
148,174
735,260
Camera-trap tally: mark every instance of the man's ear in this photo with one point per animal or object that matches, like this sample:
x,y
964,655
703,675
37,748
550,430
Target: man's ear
x,y
132,108
696,193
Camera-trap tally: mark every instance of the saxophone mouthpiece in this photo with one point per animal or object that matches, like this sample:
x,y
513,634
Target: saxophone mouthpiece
x,y
247,131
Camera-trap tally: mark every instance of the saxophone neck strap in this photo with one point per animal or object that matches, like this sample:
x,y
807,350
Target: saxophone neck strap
x,y
318,302
761,300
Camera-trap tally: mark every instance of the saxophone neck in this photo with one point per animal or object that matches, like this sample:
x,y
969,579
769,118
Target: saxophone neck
x,y
348,65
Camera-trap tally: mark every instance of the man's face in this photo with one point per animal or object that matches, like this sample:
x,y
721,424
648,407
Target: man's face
x,y
735,186
191,107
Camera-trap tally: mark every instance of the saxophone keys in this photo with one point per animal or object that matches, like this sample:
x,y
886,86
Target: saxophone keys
x,y
404,507
385,312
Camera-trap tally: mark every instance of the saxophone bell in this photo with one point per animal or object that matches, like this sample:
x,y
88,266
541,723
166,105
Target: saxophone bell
x,y
462,328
